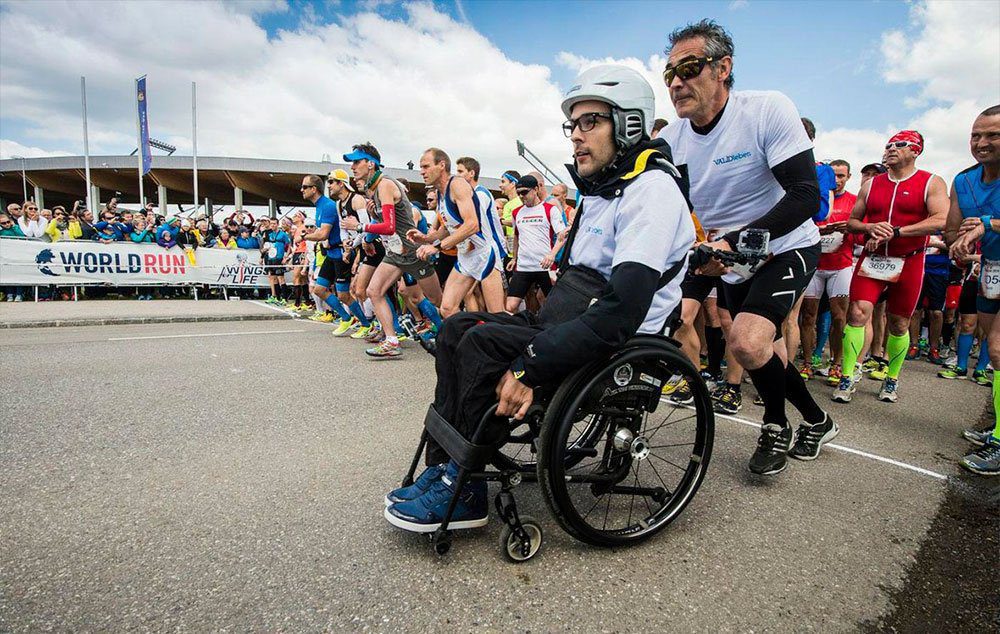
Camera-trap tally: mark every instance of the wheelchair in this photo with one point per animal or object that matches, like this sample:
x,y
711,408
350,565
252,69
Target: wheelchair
x,y
616,462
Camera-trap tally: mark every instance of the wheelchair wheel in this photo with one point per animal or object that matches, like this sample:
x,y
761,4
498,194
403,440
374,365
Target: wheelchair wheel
x,y
519,452
511,547
617,465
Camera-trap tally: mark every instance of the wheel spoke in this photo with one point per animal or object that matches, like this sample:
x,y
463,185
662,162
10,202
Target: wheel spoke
x,y
676,466
669,424
676,444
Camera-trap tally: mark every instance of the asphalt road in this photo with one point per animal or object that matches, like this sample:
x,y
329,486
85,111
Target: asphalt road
x,y
231,479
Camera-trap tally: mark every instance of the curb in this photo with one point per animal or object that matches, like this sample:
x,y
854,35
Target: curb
x,y
121,321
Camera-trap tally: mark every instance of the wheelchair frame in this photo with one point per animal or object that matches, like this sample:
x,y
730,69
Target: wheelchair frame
x,y
522,536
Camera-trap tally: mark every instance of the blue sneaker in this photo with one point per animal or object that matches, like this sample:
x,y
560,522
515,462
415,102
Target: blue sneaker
x,y
425,513
430,475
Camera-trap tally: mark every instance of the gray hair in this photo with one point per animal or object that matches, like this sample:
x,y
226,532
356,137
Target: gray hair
x,y
718,41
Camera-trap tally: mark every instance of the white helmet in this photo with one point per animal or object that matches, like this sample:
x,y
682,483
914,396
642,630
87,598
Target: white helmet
x,y
631,98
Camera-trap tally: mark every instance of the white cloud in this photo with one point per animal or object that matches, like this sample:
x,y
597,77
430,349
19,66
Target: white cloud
x,y
952,52
10,149
405,84
736,5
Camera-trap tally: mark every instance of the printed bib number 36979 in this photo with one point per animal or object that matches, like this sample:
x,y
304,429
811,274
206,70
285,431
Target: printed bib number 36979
x,y
886,268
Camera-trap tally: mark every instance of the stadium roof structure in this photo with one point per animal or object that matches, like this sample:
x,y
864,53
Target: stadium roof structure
x,y
222,180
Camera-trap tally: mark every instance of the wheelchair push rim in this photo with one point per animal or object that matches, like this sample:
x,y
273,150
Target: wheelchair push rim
x,y
642,464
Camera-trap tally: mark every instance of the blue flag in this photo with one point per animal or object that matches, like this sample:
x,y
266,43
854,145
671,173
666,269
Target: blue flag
x,y
140,96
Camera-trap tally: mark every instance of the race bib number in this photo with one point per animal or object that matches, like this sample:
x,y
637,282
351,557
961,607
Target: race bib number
x,y
886,268
831,242
989,279
272,252
394,243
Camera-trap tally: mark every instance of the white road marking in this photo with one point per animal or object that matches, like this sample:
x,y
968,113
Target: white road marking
x,y
850,450
294,316
207,334
268,306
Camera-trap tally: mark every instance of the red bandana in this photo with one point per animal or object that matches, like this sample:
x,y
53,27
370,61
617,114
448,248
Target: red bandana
x,y
911,136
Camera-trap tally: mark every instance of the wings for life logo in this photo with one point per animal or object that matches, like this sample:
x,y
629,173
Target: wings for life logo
x,y
241,273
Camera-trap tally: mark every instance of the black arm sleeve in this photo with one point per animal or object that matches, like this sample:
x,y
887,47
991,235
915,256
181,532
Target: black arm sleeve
x,y
797,176
614,318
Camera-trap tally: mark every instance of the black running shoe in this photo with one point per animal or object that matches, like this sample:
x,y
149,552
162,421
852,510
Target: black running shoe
x,y
682,395
809,439
728,401
772,449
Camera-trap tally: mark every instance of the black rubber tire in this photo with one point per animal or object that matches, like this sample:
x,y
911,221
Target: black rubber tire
x,y
562,413
535,534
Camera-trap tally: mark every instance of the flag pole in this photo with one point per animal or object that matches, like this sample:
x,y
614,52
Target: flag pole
x,y
194,140
86,145
138,141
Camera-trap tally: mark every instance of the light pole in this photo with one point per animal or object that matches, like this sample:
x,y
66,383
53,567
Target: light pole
x,y
24,176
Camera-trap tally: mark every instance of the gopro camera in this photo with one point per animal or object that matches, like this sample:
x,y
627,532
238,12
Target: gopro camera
x,y
754,242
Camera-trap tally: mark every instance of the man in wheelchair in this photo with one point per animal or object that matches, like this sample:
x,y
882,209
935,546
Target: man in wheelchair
x,y
620,275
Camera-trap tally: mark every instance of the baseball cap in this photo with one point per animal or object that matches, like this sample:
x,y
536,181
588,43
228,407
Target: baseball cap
x,y
340,175
528,181
878,167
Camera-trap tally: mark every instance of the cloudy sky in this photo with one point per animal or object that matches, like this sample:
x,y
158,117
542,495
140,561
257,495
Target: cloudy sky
x,y
299,80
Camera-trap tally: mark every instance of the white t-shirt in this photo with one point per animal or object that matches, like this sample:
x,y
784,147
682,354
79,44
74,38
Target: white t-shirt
x,y
648,224
536,229
730,167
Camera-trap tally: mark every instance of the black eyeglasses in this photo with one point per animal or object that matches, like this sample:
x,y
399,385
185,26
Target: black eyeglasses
x,y
687,69
586,122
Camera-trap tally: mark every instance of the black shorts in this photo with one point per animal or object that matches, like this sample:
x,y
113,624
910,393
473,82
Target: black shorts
x,y
933,292
967,300
522,281
444,266
376,258
274,267
775,287
298,259
698,288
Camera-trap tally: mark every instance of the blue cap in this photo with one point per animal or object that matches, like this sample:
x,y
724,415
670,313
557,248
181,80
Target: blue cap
x,y
358,155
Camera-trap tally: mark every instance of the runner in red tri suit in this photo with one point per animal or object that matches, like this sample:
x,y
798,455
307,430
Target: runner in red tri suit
x,y
894,213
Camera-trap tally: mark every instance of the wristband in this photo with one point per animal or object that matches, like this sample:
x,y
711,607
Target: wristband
x,y
436,243
895,232
987,223
361,228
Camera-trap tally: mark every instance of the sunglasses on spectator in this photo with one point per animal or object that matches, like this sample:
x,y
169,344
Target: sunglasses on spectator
x,y
31,208
586,122
17,208
6,222
687,69
899,145
305,187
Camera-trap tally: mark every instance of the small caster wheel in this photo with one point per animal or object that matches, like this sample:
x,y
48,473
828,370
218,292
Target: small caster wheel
x,y
441,541
512,548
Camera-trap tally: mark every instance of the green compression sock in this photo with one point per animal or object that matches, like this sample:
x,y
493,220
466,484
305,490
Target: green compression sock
x,y
854,341
996,407
896,347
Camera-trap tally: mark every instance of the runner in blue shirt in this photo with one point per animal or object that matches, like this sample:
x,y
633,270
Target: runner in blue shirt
x,y
975,217
328,229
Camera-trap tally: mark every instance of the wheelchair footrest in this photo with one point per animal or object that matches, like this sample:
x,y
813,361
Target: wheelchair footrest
x,y
466,454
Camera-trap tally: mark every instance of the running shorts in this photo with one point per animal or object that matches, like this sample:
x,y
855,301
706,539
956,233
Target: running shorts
x,y
376,258
444,265
836,283
409,263
902,295
521,282
701,287
478,265
967,298
776,286
934,292
951,296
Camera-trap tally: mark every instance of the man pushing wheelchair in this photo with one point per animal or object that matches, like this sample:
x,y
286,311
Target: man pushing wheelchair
x,y
620,275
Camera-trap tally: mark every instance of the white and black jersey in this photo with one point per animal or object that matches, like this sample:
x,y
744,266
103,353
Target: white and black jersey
x,y
730,167
648,224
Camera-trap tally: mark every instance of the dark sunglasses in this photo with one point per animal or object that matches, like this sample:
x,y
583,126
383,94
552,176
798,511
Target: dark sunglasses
x,y
899,145
687,69
523,192
6,222
586,122
305,187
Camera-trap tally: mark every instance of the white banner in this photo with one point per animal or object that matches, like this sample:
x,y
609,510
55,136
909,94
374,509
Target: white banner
x,y
70,262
